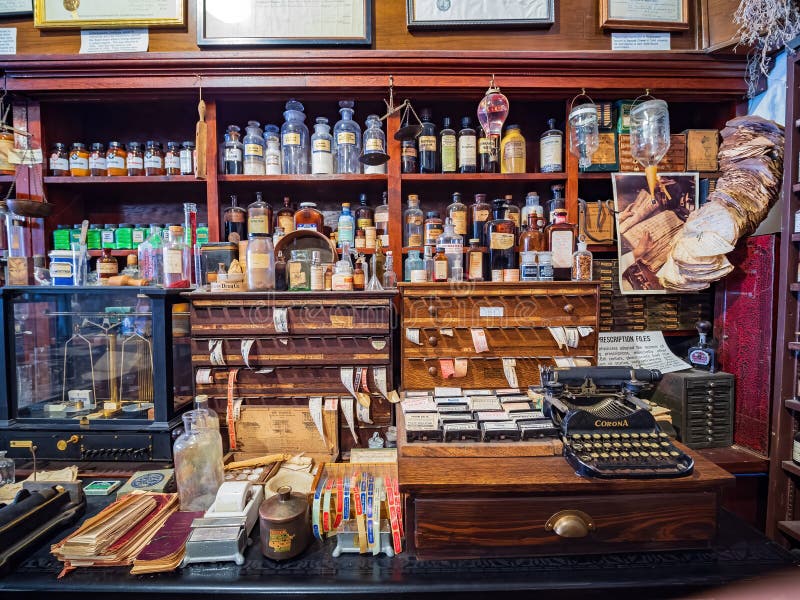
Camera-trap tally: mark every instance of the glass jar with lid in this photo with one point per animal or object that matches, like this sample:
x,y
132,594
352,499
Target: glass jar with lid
x,y
134,162
294,139
59,160
153,159
172,159
97,160
346,140
254,146
308,217
374,146
232,151
79,160
260,262
188,158
298,272
116,157
272,154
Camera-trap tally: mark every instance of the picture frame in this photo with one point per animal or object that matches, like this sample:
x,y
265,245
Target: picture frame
x,y
645,15
15,8
108,14
331,23
477,14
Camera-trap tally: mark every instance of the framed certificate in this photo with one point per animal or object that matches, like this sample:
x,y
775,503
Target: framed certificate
x,y
473,14
657,15
13,8
284,22
108,14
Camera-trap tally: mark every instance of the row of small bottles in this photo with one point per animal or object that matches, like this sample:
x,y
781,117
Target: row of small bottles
x,y
470,151
274,151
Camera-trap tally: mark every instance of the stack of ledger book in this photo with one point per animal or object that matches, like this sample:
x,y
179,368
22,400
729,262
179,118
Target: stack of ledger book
x,y
116,535
166,550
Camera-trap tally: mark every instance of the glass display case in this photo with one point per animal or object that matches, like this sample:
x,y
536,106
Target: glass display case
x,y
97,373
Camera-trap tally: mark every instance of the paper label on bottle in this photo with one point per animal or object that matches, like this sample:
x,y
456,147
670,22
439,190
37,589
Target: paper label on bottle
x,y
562,246
291,139
513,149
415,239
307,226
452,248
135,162
510,275
233,155
440,270
115,162
485,145
257,224
501,241
61,269
321,145
409,151
172,161
426,143
432,233
286,222
153,162
107,268
467,156
253,150
273,163
373,145
173,262
479,340
137,236
475,266
186,162
97,162
513,216
550,154
529,272
77,162
59,164
448,153
480,215
497,274
346,138
297,277
420,275
459,218
107,236
259,261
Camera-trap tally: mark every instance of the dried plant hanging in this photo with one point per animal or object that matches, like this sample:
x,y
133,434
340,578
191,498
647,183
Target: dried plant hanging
x,y
766,26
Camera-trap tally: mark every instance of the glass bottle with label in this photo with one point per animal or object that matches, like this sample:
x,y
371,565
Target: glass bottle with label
x,y
415,268
172,159
561,237
346,140
107,265
556,201
321,151
453,246
487,160
382,221
457,211
533,238
254,146
260,267
153,159
512,211
294,140
277,235
467,147
298,271
134,159
232,152
389,279
78,160
528,269
317,272
285,216
280,272
479,212
474,261
374,142
259,216
512,151
427,259
434,227
150,254
408,156
427,143
440,266
346,227
582,263
413,221
308,217
188,158
447,137
531,202
551,146
97,161
359,274
500,238
59,160
177,262
272,154
364,214
234,219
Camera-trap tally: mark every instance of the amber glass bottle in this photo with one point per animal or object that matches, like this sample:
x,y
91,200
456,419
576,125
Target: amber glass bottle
x,y
285,216
479,213
561,237
500,237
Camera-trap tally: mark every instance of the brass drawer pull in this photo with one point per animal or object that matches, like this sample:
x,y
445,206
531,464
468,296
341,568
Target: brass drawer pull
x,y
432,310
570,524
569,308
433,371
433,340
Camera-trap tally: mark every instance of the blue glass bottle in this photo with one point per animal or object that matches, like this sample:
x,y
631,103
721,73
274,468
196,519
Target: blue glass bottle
x,y
346,227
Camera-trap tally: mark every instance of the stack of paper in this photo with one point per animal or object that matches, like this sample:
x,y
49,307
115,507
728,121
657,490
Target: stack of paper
x,y
118,533
165,551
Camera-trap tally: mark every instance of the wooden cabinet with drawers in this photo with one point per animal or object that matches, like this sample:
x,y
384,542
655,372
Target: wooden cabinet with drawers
x,y
290,346
515,319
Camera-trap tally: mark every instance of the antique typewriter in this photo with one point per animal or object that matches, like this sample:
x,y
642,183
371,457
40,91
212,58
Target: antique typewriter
x,y
606,426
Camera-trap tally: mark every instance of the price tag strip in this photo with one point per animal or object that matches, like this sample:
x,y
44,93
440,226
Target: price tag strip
x,y
447,368
247,344
339,502
393,504
346,402
359,497
510,371
280,318
379,375
326,506
315,407
216,356
370,508
479,340
315,508
230,416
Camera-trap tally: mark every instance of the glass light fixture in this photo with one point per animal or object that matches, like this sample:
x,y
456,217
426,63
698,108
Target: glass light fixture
x,y
584,137
649,124
492,113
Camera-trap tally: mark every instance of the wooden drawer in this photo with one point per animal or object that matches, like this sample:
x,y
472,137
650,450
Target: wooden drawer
x,y
482,372
502,341
450,527
291,350
255,317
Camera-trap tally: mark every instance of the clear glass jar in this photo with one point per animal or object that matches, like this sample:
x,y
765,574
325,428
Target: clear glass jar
x,y
188,158
59,160
347,140
97,161
413,222
272,155
254,147
198,462
528,269
260,262
116,160
374,144
177,263
259,216
6,469
298,272
150,254
134,161
342,280
452,244
582,263
232,151
153,159
415,268
317,272
551,149
321,148
79,160
389,276
308,217
512,151
172,159
294,140
545,266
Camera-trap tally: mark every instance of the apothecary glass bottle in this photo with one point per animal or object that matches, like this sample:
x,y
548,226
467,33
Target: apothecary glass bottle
x,y
413,222
272,154
346,140
260,263
232,152
582,263
551,146
452,244
298,271
415,268
254,147
198,463
294,140
321,148
374,143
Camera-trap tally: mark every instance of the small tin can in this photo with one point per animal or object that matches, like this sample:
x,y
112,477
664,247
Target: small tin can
x,y
285,527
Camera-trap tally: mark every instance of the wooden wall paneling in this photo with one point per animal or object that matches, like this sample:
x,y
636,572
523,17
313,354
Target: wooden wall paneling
x,y
571,167
26,115
395,193
212,186
715,28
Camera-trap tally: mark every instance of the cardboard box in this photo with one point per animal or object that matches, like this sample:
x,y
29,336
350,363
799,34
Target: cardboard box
x,y
623,110
702,146
674,161
605,157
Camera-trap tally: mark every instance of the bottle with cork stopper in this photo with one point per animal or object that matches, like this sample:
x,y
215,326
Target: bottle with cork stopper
x,y
582,262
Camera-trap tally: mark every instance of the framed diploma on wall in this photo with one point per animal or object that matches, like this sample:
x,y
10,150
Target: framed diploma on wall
x,y
284,22
108,14
14,8
654,15
474,14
